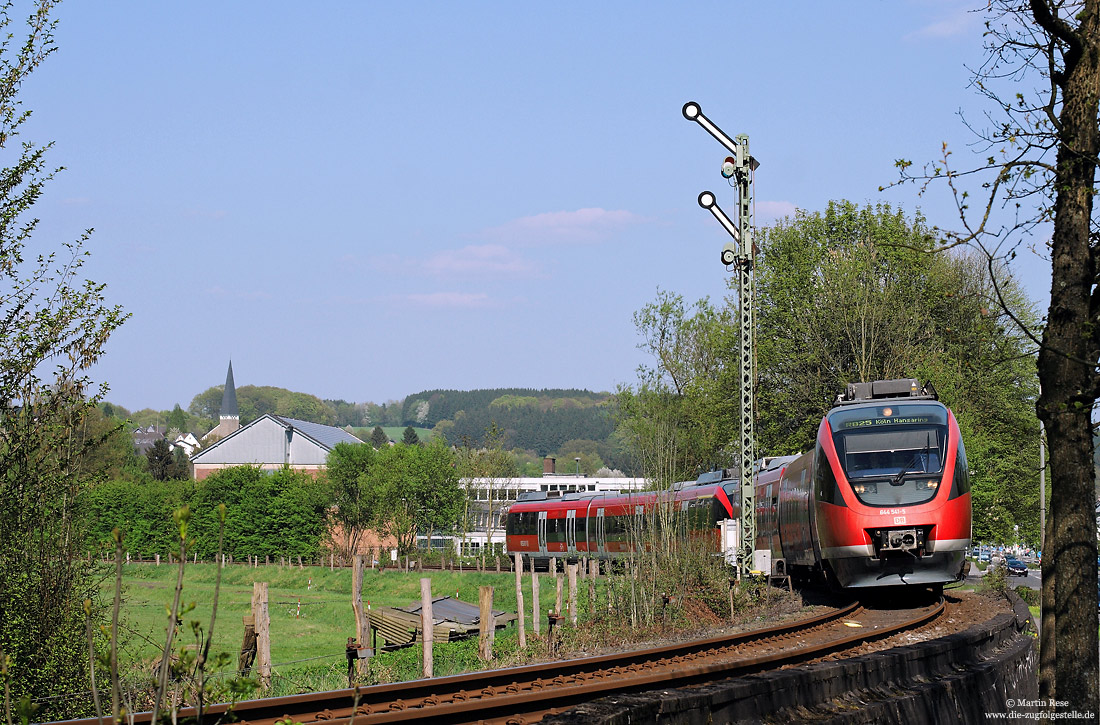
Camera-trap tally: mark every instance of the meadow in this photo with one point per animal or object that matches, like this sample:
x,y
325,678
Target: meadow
x,y
311,617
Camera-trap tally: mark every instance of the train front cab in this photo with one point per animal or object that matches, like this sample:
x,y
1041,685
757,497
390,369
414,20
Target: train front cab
x,y
891,494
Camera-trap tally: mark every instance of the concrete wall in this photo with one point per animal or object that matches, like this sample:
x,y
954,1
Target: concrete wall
x,y
959,678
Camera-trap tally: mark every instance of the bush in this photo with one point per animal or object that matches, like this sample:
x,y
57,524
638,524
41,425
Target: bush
x,y
1031,597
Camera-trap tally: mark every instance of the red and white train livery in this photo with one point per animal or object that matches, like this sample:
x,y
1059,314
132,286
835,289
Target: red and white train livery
x,y
883,499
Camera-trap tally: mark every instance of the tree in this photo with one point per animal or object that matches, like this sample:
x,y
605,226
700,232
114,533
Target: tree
x,y
53,326
489,471
411,488
410,438
852,294
108,446
352,511
281,512
1056,43
178,419
378,437
680,417
158,460
208,403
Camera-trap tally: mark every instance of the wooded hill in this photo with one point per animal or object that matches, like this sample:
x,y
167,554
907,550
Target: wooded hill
x,y
536,420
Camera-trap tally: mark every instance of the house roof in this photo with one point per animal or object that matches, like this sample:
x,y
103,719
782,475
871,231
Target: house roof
x,y
325,436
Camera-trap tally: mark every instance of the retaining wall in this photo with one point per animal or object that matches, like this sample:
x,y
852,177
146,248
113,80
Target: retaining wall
x,y
958,678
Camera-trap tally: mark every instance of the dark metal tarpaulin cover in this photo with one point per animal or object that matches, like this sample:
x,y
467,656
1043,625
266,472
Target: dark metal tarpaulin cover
x,y
449,609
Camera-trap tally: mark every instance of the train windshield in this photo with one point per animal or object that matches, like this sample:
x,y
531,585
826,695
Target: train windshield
x,y
891,453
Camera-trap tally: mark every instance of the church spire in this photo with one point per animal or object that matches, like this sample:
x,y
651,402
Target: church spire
x,y
229,397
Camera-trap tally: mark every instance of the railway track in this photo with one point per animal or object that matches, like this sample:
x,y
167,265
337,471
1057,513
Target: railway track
x,y
519,695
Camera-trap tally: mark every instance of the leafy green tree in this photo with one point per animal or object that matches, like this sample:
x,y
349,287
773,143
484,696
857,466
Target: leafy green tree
x,y
208,403
178,419
847,295
587,451
378,437
680,417
854,294
141,508
108,448
353,414
413,488
352,512
410,437
53,326
268,513
489,468
181,465
158,460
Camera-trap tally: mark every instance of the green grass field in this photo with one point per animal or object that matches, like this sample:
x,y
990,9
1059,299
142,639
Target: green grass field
x,y
307,639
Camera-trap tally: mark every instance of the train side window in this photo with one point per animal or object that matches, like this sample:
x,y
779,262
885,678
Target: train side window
x,y
824,481
960,483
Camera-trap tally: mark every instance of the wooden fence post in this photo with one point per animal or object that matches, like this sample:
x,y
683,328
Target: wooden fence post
x,y
519,601
571,571
593,572
557,596
248,646
487,623
362,625
427,623
535,614
263,633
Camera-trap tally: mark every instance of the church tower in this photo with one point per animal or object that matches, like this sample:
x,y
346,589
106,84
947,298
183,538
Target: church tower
x,y
229,420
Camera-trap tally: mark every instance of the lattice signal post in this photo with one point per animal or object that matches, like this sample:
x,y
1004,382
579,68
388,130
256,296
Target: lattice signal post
x,y
740,257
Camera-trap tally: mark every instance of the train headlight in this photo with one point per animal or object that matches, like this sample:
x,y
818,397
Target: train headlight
x,y
862,488
930,484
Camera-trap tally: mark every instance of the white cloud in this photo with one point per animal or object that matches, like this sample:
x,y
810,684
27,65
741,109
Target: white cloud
x,y
475,260
478,260
959,22
584,226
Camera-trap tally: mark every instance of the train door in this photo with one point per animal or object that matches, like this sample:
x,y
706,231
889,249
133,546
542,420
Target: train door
x,y
542,532
601,539
571,531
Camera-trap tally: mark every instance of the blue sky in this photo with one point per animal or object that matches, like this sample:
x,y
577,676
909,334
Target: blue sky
x,y
361,200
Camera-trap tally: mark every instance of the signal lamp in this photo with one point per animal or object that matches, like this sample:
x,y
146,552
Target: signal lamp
x,y
729,167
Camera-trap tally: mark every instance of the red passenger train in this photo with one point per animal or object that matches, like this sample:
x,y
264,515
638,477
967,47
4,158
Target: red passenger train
x,y
543,525
883,499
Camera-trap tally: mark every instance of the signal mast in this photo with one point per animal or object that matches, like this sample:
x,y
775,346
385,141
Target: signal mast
x,y
739,257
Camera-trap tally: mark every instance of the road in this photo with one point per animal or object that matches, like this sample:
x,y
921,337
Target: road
x,y
1031,581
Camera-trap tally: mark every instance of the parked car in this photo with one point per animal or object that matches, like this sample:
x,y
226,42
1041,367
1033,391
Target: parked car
x,y
1016,567
983,557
